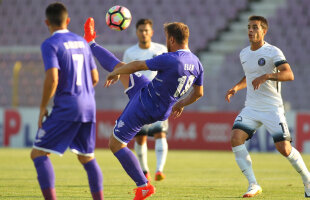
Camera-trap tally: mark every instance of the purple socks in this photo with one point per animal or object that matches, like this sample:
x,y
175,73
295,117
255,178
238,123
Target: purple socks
x,y
95,179
106,59
46,177
131,165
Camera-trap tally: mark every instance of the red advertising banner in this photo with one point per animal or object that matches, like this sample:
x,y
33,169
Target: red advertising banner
x,y
303,132
192,130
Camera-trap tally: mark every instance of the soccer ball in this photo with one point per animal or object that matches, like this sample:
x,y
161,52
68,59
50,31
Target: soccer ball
x,y
118,18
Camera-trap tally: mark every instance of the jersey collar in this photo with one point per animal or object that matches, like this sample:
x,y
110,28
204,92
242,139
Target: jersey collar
x,y
61,31
188,50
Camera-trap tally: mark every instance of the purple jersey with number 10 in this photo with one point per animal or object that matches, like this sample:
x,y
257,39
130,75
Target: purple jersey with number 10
x,y
176,72
70,54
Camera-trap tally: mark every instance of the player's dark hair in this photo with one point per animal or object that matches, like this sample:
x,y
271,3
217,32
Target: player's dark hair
x,y
56,13
178,30
263,21
144,22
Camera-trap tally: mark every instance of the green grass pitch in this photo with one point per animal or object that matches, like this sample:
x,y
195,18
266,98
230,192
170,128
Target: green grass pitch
x,y
191,175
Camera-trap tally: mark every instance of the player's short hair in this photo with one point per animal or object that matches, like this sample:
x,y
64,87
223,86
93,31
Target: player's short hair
x,y
263,21
178,30
144,22
56,13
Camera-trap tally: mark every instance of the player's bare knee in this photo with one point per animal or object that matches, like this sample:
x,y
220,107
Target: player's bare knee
x,y
236,140
141,139
238,137
284,151
84,159
115,145
284,147
37,153
159,135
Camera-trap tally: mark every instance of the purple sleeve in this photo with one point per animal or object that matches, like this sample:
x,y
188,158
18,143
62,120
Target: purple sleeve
x,y
106,59
49,56
199,80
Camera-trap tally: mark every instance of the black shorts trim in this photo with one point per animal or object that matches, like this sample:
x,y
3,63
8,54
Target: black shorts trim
x,y
249,131
280,138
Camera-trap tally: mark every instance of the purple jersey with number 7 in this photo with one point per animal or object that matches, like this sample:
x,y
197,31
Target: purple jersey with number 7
x,y
70,54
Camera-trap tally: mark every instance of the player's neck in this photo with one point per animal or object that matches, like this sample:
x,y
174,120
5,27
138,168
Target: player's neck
x,y
179,47
56,28
145,45
257,45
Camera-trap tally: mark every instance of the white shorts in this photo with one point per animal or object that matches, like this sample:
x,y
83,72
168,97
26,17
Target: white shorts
x,y
249,120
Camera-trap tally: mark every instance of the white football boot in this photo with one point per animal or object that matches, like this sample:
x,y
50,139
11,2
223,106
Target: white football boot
x,y
253,190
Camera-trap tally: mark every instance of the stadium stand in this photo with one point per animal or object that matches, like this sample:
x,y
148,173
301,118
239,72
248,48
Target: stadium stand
x,y
207,19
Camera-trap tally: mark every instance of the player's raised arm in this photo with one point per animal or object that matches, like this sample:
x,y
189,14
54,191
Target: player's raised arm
x,y
232,91
125,69
193,96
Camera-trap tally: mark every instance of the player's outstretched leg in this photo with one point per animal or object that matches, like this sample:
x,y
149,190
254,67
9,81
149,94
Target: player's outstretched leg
x,y
89,30
45,172
95,179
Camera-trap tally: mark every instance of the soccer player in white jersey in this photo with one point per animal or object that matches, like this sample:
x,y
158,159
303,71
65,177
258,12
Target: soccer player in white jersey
x,y
143,50
265,67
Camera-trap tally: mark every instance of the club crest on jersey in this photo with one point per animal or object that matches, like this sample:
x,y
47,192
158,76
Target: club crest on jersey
x,y
261,62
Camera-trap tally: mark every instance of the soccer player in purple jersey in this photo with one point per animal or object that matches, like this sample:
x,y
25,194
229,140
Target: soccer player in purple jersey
x,y
150,101
71,75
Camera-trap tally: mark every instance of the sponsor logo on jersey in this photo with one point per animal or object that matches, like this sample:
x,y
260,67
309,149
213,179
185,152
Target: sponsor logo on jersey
x,y
261,62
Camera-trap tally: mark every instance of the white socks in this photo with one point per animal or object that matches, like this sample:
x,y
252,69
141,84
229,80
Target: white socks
x,y
161,150
141,151
244,162
299,165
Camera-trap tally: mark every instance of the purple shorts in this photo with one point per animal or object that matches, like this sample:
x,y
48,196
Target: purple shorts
x,y
56,136
134,115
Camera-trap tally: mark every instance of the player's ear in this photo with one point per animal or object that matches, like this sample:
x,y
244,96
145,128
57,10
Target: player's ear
x,y
68,20
47,22
172,40
152,32
265,31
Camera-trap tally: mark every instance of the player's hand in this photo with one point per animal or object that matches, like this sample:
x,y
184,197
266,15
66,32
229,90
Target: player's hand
x,y
177,110
111,79
229,94
258,81
43,113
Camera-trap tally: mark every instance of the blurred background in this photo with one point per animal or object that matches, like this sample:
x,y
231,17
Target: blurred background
x,y
218,31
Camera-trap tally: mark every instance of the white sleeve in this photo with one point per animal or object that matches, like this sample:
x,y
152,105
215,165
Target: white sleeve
x,y
126,58
278,57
